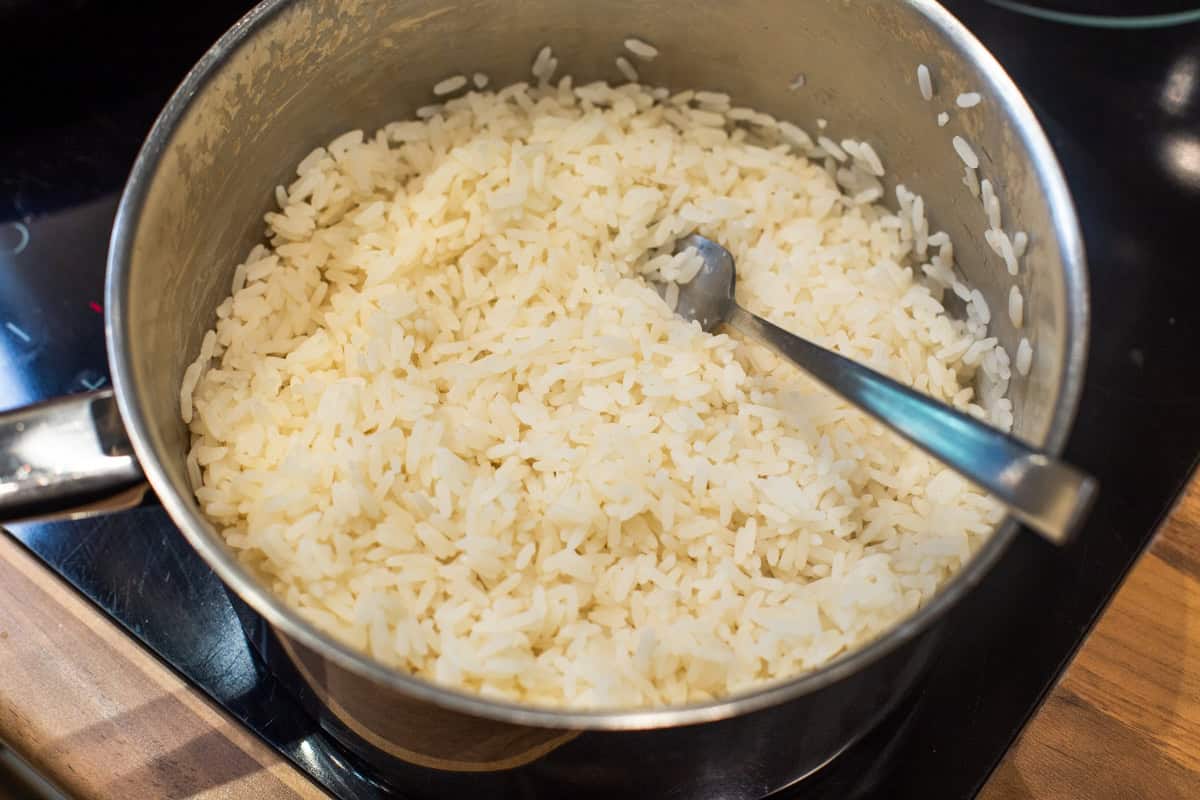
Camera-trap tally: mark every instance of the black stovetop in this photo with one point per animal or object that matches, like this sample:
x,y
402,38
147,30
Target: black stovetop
x,y
84,79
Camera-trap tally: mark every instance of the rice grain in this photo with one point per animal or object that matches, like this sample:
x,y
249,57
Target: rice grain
x,y
1020,243
445,418
642,50
965,152
1024,357
450,85
626,69
1016,307
925,82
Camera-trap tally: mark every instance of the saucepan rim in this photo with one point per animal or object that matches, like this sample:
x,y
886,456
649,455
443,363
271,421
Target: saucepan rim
x,y
201,535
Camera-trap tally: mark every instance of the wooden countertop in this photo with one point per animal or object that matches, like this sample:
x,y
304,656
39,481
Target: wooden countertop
x,y
101,718
1124,720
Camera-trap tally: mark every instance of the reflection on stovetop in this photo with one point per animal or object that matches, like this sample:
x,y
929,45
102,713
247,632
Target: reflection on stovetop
x,y
1121,102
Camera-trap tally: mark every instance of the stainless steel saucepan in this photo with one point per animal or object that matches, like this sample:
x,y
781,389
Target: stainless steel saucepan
x,y
294,73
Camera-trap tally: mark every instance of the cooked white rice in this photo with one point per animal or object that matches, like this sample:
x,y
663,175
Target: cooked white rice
x,y
925,82
643,50
444,418
450,85
865,153
966,153
1016,307
991,203
480,80
979,307
832,148
712,101
943,119
968,99
1002,246
626,69
1020,242
1024,356
544,65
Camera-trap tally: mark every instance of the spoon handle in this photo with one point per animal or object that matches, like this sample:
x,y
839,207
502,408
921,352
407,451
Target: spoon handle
x,y
1047,495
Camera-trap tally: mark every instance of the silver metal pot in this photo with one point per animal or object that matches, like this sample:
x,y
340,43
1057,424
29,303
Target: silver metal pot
x,y
294,73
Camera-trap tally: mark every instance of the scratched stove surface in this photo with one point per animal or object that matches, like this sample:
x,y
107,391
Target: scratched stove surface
x,y
52,314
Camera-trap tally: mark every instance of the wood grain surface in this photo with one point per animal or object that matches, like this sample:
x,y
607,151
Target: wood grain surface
x,y
101,718
1124,720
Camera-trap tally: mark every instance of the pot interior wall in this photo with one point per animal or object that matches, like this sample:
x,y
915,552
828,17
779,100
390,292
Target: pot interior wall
x,y
311,70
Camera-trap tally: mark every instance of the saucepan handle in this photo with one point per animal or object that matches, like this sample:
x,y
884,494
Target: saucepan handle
x,y
67,457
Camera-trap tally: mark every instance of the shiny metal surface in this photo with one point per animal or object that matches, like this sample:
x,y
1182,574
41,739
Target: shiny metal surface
x,y
67,457
293,73
1046,494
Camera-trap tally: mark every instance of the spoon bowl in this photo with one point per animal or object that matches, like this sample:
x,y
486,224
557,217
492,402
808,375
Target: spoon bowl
x,y
1049,496
706,298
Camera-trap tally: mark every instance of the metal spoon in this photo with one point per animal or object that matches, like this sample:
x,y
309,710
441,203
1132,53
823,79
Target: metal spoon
x,y
1047,495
